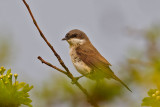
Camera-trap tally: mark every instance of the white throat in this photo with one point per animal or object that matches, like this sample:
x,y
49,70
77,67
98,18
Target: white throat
x,y
76,42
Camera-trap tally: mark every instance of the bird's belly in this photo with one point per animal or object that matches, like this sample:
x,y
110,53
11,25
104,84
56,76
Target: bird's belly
x,y
82,67
78,63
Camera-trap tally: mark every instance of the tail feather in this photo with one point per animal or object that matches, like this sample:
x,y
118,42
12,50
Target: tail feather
x,y
116,78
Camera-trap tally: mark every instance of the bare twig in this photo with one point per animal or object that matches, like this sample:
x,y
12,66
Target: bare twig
x,y
67,72
49,64
42,35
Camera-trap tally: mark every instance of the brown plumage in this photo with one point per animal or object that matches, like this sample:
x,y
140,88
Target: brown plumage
x,y
86,59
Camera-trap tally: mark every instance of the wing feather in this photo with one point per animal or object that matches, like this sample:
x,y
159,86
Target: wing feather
x,y
91,57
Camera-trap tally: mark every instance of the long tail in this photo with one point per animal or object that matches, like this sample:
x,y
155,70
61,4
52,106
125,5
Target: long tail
x,y
116,78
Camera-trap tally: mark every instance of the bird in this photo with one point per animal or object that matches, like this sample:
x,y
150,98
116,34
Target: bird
x,y
86,58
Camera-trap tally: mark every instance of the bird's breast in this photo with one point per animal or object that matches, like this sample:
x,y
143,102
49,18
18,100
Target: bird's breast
x,y
78,63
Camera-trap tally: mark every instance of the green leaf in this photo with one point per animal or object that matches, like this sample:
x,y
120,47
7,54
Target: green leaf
x,y
148,101
153,100
9,71
151,91
13,95
20,85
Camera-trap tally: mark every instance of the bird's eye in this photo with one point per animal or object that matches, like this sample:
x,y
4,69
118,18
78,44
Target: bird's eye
x,y
67,35
74,35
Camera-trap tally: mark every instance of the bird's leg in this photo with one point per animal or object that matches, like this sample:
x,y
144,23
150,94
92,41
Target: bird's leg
x,y
76,79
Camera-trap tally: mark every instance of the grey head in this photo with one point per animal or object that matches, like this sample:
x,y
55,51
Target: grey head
x,y
76,37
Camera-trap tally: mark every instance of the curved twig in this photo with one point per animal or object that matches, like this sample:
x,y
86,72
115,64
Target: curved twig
x,y
66,72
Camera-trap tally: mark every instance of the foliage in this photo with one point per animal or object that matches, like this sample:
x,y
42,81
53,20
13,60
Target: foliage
x,y
63,91
144,68
153,99
5,53
13,93
145,63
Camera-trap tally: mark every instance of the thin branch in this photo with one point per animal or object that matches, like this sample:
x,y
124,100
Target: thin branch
x,y
49,64
67,72
42,35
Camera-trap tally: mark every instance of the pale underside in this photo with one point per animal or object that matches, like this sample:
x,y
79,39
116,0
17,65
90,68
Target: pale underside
x,y
81,67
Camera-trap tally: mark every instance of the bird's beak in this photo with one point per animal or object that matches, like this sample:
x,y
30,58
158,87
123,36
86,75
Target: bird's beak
x,y
64,39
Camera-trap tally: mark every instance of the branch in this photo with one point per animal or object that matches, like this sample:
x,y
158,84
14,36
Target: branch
x,y
67,72
52,66
90,100
42,35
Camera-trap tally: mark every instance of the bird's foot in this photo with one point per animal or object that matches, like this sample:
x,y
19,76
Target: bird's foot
x,y
76,79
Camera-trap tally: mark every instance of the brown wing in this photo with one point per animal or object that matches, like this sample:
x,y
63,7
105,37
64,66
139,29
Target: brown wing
x,y
89,53
90,56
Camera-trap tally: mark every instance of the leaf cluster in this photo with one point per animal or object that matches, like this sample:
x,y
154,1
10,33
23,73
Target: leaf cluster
x,y
153,99
13,93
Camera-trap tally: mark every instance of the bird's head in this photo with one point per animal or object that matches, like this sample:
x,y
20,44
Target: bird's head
x,y
76,37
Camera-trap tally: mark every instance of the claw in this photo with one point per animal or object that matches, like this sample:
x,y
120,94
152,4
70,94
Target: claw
x,y
76,79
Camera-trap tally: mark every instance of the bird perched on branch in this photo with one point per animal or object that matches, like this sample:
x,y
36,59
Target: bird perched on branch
x,y
86,59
